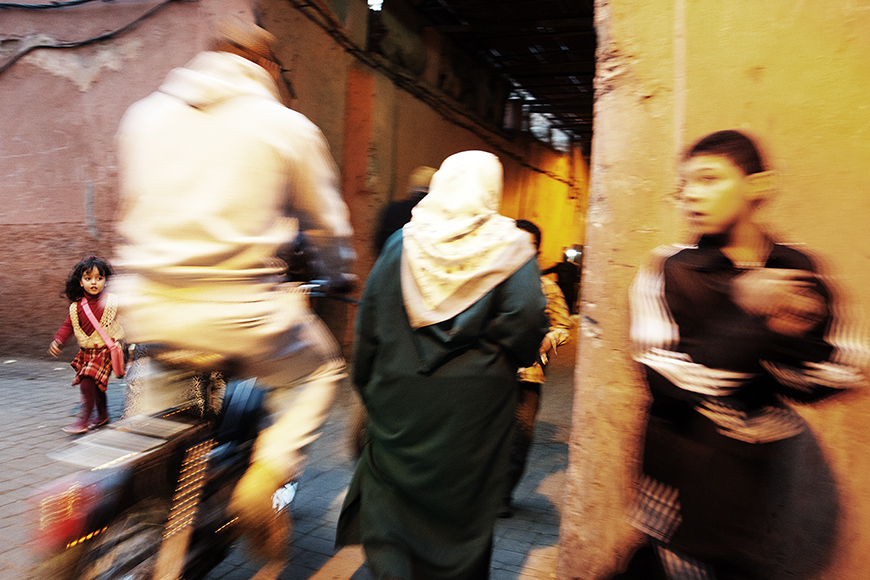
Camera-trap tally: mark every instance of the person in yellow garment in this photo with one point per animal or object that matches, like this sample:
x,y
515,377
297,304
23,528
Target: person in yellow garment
x,y
530,379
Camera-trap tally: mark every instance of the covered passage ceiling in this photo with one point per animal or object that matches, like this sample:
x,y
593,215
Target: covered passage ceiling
x,y
544,48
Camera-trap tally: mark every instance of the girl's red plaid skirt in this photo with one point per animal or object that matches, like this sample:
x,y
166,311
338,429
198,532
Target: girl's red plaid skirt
x,y
93,362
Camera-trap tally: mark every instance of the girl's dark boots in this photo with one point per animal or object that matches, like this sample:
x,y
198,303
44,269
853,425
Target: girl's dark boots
x,y
88,388
102,411
77,428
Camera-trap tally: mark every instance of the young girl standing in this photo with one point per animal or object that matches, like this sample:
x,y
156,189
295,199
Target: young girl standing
x,y
93,363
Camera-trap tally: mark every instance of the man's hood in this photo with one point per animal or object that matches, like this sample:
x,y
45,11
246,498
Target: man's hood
x,y
214,77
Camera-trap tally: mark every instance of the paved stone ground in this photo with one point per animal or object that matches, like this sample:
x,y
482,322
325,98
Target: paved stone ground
x,y
37,401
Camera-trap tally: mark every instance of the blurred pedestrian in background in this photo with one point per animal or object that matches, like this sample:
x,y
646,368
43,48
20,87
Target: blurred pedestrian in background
x,y
216,175
452,308
530,379
393,218
397,213
727,330
85,288
568,278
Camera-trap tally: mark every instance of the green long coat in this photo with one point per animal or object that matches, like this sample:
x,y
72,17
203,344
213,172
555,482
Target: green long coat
x,y
440,403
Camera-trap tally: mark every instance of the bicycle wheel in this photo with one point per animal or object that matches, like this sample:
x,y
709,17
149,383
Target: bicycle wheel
x,y
127,549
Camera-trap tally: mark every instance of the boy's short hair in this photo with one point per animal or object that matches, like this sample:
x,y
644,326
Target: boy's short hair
x,y
532,229
736,146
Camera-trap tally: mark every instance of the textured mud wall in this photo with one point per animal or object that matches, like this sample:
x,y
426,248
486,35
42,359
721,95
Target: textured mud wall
x,y
59,109
669,72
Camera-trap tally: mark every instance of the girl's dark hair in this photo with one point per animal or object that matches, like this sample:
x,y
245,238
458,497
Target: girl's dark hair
x,y
73,289
741,149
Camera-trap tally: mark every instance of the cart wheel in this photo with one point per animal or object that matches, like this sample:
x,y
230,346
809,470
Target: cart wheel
x,y
127,549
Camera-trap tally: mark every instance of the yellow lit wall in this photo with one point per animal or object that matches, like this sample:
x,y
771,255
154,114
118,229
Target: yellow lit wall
x,y
798,75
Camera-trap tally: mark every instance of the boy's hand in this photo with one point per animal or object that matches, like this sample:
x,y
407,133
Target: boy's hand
x,y
803,313
784,299
54,348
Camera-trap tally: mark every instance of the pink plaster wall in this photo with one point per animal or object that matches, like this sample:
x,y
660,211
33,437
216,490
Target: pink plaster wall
x,y
59,110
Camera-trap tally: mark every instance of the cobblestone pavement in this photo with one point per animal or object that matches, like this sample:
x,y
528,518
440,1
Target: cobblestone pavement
x,y
37,401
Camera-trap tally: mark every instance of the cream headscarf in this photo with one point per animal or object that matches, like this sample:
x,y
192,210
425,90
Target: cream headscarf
x,y
457,247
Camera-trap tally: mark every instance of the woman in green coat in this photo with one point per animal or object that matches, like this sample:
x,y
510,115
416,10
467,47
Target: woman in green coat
x,y
450,310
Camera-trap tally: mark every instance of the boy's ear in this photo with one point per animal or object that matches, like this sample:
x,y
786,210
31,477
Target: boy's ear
x,y
762,184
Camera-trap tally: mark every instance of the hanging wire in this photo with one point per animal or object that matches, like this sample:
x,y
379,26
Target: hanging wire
x,y
47,6
109,35
323,17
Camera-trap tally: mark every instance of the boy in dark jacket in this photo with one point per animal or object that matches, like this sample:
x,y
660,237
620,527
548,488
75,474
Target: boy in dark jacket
x,y
726,330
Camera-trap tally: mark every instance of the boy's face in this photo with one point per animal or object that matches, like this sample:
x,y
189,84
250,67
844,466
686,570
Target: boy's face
x,y
716,194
